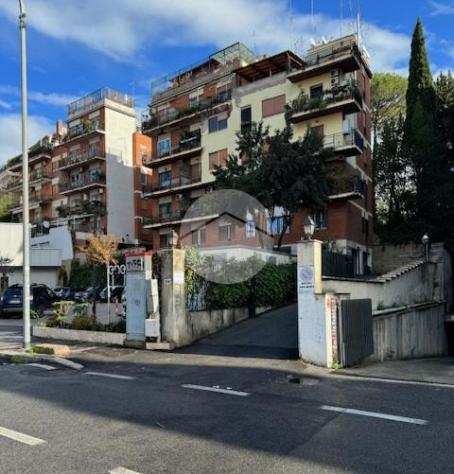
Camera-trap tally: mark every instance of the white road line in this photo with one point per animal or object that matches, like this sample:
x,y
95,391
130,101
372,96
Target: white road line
x,y
112,376
122,470
374,414
42,366
22,438
218,390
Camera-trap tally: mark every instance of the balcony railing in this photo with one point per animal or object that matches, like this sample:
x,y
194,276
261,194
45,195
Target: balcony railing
x,y
98,178
83,129
167,116
163,218
173,183
93,100
95,207
78,159
189,142
32,178
339,141
348,185
329,97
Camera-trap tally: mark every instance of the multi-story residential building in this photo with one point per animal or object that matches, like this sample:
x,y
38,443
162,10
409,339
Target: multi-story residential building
x,y
40,182
193,125
92,164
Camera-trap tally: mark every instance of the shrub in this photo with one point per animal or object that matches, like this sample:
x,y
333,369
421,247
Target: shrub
x,y
85,323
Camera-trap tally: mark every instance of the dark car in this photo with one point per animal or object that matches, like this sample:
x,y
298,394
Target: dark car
x,y
89,294
116,294
63,292
42,298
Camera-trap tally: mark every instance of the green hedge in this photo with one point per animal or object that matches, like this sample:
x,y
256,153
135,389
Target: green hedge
x,y
274,285
85,275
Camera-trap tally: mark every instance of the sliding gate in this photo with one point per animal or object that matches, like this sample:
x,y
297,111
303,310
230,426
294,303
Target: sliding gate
x,y
355,331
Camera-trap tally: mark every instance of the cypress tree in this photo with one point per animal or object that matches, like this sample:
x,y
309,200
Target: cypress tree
x,y
421,144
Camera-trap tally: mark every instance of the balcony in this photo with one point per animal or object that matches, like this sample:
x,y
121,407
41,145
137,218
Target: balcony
x,y
172,116
35,200
346,98
94,207
346,57
92,180
34,177
189,146
172,185
75,160
84,129
350,187
350,143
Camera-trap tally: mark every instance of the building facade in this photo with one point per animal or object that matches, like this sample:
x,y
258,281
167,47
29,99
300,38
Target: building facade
x,y
193,124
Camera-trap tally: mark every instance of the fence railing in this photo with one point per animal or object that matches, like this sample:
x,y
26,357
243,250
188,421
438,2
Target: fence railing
x,y
337,265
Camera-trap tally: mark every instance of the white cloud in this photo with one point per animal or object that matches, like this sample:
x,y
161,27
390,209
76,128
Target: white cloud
x,y
10,133
439,8
5,105
39,97
122,28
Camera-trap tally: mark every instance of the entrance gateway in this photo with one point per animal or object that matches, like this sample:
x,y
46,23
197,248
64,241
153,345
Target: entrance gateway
x,y
332,329
142,304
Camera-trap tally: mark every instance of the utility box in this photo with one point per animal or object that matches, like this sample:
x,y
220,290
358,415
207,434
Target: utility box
x,y
141,299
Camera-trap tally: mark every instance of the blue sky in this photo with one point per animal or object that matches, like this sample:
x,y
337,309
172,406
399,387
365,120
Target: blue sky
x,y
77,46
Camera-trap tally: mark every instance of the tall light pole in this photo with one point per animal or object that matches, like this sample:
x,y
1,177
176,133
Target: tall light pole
x,y
25,203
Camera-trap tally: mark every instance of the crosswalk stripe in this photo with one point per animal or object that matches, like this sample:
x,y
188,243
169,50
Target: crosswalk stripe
x,y
20,437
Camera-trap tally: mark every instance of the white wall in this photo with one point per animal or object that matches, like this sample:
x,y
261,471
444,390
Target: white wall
x,y
58,238
119,172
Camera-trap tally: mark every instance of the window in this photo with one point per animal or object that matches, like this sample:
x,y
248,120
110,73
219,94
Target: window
x,y
199,236
218,159
276,225
165,209
273,106
164,147
165,240
316,92
250,229
246,118
225,232
223,92
318,131
215,124
195,172
319,218
165,179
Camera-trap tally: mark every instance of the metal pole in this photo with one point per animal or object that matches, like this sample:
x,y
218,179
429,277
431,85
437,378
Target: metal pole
x,y
25,203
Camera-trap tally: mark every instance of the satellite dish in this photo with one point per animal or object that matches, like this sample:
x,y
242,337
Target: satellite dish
x,y
46,224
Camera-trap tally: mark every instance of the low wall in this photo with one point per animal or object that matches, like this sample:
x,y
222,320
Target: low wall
x,y
386,258
415,286
204,323
116,313
95,337
408,333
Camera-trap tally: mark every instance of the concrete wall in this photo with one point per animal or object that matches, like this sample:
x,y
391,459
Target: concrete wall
x,y
415,286
409,333
120,126
39,276
386,258
57,238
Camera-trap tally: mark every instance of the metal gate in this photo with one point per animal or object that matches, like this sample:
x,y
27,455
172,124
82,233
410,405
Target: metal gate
x,y
355,331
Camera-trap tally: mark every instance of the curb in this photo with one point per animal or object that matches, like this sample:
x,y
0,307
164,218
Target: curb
x,y
8,356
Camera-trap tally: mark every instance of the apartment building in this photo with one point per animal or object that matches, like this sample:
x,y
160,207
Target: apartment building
x,y
193,123
40,182
92,164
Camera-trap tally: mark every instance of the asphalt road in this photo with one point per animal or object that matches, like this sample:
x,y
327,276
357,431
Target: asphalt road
x,y
198,413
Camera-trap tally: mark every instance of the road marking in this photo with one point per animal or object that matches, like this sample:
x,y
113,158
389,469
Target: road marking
x,y
216,389
122,470
42,366
22,438
374,414
112,376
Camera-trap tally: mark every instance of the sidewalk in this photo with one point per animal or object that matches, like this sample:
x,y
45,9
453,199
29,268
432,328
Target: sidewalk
x,y
433,370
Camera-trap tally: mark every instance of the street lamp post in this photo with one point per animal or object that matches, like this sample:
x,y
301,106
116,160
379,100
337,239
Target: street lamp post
x,y
426,241
25,203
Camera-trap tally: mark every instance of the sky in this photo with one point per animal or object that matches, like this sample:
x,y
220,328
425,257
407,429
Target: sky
x,y
78,46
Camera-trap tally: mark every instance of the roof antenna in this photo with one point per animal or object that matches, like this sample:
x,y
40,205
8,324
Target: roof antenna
x,y
341,17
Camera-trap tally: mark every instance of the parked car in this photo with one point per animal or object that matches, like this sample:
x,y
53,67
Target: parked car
x,y
42,298
116,294
88,294
64,292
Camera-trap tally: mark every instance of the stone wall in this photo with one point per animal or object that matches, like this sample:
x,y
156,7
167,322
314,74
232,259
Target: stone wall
x,y
386,258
